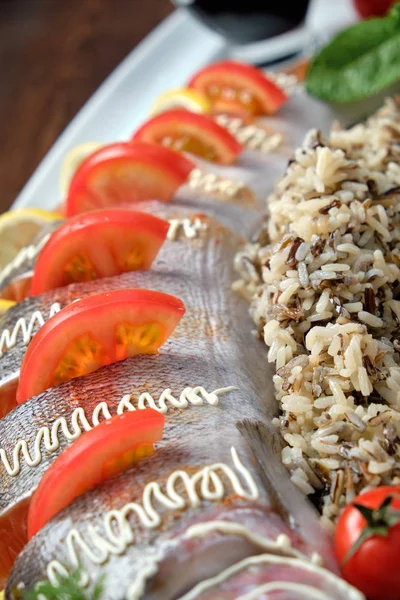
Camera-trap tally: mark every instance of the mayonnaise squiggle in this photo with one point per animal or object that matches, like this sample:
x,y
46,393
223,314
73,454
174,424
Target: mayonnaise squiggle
x,y
251,136
26,253
190,227
138,587
282,544
118,534
330,579
48,439
311,593
210,183
8,338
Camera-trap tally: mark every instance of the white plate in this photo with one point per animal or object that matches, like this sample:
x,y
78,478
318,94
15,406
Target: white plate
x,y
165,59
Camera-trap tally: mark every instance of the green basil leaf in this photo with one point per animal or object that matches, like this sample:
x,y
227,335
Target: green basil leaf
x,y
359,62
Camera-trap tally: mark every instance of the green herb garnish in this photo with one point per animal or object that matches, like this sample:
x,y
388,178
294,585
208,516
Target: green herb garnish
x,y
69,588
359,62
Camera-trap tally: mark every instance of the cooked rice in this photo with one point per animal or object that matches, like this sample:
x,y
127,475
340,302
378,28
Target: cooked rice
x,y
323,279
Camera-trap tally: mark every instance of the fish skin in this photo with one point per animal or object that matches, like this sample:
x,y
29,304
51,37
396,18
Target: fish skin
x,y
211,346
266,444
241,216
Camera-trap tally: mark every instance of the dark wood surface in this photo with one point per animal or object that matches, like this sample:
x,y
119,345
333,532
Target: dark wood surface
x,y
53,56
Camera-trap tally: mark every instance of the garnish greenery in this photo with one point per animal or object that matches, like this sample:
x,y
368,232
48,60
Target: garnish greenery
x,y
69,588
359,62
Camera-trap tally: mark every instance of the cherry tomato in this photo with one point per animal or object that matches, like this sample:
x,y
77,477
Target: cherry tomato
x,y
100,243
235,87
96,331
373,8
101,453
122,173
191,132
370,562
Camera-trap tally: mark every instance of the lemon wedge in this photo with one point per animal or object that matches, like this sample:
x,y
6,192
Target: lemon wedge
x,y
182,98
4,306
19,227
71,162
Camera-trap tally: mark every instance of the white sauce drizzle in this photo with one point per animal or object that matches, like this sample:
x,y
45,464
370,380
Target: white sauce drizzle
x,y
8,338
210,183
282,544
24,254
310,593
48,439
251,136
206,484
330,578
190,227
137,588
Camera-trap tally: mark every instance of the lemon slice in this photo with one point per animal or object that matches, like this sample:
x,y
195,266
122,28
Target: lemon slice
x,y
71,162
4,306
19,227
182,98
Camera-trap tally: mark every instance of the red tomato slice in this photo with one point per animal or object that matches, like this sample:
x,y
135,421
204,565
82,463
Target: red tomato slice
x,y
124,173
101,243
96,331
101,453
239,88
186,131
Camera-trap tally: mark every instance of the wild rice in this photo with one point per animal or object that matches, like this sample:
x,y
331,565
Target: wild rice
x,y
324,289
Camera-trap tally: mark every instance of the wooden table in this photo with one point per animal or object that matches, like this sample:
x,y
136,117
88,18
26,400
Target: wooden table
x,y
53,56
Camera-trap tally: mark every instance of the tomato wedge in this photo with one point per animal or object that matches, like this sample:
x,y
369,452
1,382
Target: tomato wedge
x,y
122,173
187,131
94,332
101,243
101,453
238,88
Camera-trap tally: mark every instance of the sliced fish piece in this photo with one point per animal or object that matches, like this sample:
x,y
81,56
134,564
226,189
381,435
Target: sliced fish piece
x,y
273,577
240,215
210,348
207,349
203,471
192,510
179,263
